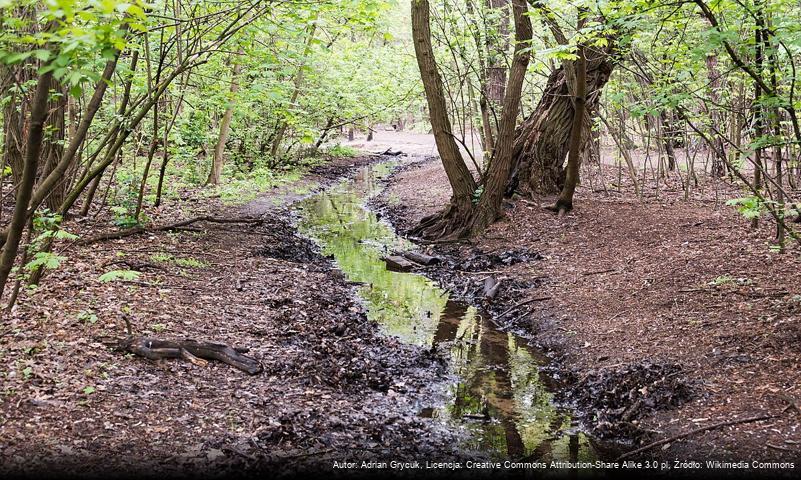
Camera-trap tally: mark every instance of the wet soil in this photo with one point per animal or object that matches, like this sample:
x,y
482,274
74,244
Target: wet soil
x,y
333,387
665,314
498,393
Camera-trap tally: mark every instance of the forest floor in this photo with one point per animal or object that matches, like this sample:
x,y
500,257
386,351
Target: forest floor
x,y
332,387
668,314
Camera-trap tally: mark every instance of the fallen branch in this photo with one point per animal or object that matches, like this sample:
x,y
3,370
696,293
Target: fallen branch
x,y
695,431
163,228
520,304
192,351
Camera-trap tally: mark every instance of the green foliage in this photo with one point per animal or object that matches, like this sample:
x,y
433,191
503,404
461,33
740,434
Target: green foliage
x,y
119,275
245,187
190,262
87,316
722,280
162,257
47,260
749,207
341,151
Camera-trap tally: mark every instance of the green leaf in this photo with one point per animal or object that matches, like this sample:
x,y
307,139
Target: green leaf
x,y
47,260
119,275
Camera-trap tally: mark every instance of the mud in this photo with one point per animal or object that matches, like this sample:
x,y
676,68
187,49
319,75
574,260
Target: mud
x,y
617,398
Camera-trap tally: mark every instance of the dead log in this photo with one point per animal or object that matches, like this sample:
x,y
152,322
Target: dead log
x,y
421,258
192,351
165,228
398,263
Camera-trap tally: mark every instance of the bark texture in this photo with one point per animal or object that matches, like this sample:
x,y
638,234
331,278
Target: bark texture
x,y
542,141
454,218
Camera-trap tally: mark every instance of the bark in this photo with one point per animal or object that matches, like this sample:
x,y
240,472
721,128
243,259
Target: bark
x,y
454,218
489,206
542,141
33,147
565,201
225,128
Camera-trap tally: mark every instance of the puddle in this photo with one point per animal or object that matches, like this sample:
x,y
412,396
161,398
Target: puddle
x,y
499,394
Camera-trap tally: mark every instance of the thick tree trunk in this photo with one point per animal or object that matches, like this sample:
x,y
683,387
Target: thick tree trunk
x,y
454,219
489,206
542,141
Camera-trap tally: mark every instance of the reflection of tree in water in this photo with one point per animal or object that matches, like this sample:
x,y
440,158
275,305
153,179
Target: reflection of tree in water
x,y
500,395
500,391
406,305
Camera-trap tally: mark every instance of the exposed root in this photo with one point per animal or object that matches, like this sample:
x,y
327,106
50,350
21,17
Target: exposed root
x,y
451,224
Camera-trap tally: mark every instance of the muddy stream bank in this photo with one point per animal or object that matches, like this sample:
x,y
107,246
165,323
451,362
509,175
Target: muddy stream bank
x,y
497,391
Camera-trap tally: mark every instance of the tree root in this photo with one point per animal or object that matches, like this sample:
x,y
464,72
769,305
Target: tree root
x,y
163,228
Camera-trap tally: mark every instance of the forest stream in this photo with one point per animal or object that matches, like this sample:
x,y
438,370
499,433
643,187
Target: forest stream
x,y
496,391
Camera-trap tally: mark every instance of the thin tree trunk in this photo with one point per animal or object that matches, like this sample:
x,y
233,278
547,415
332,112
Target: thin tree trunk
x,y
298,84
33,147
126,97
225,128
565,201
489,206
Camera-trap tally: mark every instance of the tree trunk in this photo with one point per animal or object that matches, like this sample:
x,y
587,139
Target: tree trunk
x,y
565,201
453,220
715,84
53,148
489,206
225,127
121,111
33,147
497,46
279,135
542,141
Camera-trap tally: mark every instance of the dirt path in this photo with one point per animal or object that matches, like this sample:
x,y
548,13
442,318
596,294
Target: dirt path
x,y
669,315
332,386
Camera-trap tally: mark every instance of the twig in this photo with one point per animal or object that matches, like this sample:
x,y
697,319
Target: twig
x,y
598,272
779,447
167,227
695,431
520,304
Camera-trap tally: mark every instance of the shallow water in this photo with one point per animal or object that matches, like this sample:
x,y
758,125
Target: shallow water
x,y
499,394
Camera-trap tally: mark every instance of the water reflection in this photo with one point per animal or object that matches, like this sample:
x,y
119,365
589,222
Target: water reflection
x,y
499,396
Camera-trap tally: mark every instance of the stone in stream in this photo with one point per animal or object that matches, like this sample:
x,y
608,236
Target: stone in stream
x,y
398,263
